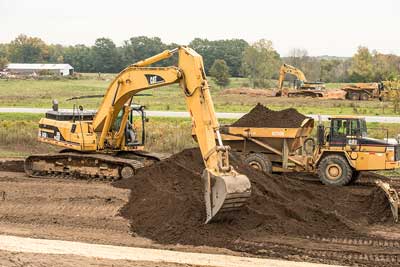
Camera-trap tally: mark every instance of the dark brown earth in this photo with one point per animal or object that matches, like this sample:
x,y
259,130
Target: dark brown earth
x,y
87,211
12,164
261,116
166,205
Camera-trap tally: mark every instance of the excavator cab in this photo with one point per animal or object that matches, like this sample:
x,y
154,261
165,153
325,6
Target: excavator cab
x,y
135,133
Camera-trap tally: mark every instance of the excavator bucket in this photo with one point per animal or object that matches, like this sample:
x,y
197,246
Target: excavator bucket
x,y
224,194
392,196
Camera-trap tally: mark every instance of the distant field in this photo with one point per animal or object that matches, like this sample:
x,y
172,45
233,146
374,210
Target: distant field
x,y
39,93
18,134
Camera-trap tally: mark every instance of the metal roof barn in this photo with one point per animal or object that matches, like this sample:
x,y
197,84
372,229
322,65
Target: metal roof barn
x,y
27,68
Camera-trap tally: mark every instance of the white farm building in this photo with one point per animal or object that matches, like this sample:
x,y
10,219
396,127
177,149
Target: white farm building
x,y
27,69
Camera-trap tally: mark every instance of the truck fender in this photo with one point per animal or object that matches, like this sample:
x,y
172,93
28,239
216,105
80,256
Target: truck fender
x,y
325,152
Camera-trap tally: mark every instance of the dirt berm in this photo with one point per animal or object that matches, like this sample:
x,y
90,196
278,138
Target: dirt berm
x,y
261,116
166,204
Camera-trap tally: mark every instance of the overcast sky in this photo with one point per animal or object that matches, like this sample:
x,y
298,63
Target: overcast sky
x,y
323,27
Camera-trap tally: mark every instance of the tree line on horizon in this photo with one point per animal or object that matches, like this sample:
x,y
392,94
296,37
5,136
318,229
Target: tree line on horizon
x,y
258,61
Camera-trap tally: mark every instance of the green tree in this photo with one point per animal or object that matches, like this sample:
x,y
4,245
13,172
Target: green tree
x,y
3,55
220,72
3,62
80,57
24,49
385,67
141,47
105,56
56,53
361,69
230,50
260,63
310,66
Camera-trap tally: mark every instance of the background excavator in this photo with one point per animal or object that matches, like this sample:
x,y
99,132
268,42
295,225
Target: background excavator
x,y
104,144
302,86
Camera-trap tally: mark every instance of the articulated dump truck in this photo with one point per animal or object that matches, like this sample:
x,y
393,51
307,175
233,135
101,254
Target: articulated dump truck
x,y
337,155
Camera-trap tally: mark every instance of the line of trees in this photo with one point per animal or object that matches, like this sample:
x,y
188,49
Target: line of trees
x,y
258,61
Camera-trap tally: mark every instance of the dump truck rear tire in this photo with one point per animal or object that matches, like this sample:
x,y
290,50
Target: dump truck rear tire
x,y
259,162
335,170
353,96
364,96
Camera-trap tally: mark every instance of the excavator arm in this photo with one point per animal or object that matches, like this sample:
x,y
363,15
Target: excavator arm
x,y
225,189
288,69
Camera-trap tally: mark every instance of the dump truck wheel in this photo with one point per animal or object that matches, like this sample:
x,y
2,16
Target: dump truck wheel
x,y
364,96
259,162
335,170
353,96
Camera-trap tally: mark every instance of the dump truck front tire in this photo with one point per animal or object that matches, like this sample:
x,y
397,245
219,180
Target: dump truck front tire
x,y
259,162
335,170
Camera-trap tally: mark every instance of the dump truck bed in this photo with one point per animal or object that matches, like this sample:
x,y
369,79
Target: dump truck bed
x,y
275,137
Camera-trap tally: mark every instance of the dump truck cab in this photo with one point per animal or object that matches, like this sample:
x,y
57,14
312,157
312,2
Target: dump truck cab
x,y
344,150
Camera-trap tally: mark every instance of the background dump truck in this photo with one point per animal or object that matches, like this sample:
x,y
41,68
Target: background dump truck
x,y
364,91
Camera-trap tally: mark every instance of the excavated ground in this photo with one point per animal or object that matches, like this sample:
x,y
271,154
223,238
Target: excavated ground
x,y
166,205
285,218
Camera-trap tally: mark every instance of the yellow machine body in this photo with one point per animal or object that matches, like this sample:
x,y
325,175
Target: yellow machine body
x,y
105,131
305,88
284,147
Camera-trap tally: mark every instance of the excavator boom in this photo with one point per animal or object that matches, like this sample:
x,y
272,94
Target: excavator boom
x,y
225,189
288,69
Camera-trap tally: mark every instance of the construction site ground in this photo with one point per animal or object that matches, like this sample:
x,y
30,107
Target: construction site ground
x,y
90,211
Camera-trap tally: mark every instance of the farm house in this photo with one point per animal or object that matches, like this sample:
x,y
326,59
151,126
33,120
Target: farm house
x,y
27,69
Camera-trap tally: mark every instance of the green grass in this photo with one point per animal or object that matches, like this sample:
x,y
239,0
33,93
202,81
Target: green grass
x,y
18,132
39,93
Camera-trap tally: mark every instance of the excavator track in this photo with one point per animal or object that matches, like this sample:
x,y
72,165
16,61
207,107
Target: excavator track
x,y
363,252
75,165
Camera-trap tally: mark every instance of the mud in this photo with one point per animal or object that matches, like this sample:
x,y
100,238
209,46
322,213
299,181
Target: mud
x,y
166,205
261,116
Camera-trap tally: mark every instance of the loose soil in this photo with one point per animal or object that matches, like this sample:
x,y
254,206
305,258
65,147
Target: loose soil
x,y
88,211
261,116
249,92
166,204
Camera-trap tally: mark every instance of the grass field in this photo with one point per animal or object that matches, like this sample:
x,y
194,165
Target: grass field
x,y
39,93
18,132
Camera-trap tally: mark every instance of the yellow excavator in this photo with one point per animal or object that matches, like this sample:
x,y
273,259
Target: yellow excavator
x,y
302,86
104,144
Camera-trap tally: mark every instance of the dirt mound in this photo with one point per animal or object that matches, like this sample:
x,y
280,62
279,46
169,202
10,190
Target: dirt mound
x,y
248,91
261,116
166,204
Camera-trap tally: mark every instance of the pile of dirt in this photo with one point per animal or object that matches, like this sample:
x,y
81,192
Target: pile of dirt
x,y
249,92
261,116
166,204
